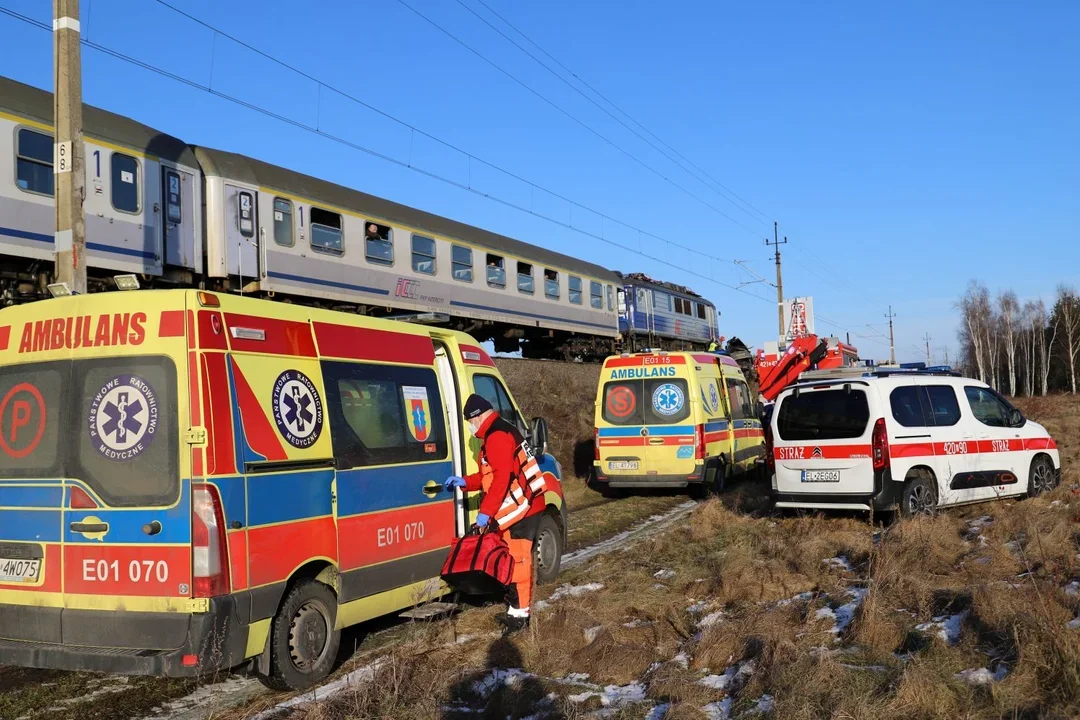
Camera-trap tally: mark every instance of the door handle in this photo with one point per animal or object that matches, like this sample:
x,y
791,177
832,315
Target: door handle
x,y
98,527
431,488
151,528
656,441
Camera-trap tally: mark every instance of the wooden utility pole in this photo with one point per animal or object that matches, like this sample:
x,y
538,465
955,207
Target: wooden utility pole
x,y
70,237
892,341
779,278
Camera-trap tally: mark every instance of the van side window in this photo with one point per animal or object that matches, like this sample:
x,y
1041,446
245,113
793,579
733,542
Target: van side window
x,y
34,162
944,408
908,406
384,415
739,397
326,232
986,407
489,388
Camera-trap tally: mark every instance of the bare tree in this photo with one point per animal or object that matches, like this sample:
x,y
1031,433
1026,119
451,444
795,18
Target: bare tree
x,y
1009,309
1028,319
1044,346
1067,318
975,307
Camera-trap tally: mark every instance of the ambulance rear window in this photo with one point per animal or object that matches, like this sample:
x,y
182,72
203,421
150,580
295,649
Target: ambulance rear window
x,y
645,402
823,415
116,418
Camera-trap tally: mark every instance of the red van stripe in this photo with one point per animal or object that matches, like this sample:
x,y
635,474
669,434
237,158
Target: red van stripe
x,y
276,550
905,450
356,343
191,330
828,452
208,339
221,453
366,547
238,569
171,323
473,355
1040,444
5,337
283,337
640,360
261,436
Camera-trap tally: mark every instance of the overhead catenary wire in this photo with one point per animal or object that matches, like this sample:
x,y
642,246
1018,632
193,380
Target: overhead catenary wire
x,y
693,170
374,153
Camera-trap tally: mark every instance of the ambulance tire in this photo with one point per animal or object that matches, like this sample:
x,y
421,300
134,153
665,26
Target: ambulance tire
x,y
919,496
309,611
547,550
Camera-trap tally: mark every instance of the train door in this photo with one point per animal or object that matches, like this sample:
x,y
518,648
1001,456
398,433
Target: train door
x,y
242,239
644,308
178,218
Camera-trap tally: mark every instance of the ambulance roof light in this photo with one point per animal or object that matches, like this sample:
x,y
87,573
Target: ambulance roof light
x,y
60,289
126,282
209,299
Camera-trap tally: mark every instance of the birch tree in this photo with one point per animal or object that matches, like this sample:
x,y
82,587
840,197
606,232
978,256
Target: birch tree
x,y
1067,320
1009,310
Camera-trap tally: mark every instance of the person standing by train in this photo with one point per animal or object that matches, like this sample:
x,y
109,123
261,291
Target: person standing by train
x,y
510,480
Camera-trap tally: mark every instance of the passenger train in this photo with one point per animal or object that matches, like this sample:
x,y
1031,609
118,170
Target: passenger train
x,y
174,214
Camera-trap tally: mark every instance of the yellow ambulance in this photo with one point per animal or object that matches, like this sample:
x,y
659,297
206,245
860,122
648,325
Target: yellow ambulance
x,y
677,419
191,481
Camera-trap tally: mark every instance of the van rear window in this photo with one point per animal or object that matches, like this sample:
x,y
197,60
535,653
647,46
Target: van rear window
x,y
646,402
823,415
109,422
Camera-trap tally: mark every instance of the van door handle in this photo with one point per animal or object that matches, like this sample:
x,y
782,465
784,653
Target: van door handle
x,y
656,441
431,488
80,527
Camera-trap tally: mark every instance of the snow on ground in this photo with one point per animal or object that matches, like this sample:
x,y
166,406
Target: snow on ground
x,y
982,676
363,674
765,705
568,591
733,678
659,712
613,695
840,562
207,698
800,598
1074,624
718,710
711,619
843,615
946,627
664,575
619,542
1073,589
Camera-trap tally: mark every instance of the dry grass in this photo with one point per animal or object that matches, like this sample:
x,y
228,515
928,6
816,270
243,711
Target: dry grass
x,y
1003,581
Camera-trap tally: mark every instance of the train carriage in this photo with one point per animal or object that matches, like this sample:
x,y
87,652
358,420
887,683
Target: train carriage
x,y
657,314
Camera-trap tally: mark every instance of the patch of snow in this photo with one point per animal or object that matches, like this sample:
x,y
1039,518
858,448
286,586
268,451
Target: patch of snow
x,y
664,574
801,597
711,619
1074,624
207,695
718,710
840,562
733,677
576,678
659,712
980,522
843,615
362,674
946,627
659,586
638,624
1055,503
868,668
1073,589
682,659
982,676
622,540
765,705
568,591
613,695
698,607
592,632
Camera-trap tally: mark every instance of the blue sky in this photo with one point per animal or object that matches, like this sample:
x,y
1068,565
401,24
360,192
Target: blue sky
x,y
904,148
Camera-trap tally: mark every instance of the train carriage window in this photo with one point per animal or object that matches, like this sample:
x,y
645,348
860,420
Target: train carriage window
x,y
596,295
245,217
551,284
173,206
326,234
34,162
610,298
701,311
575,289
678,305
283,225
379,244
423,254
125,183
496,271
461,262
525,281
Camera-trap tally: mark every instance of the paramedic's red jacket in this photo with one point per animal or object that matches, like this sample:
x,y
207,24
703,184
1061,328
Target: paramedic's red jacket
x,y
500,448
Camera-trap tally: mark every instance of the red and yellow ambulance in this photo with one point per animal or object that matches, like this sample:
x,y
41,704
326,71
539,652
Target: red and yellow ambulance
x,y
190,481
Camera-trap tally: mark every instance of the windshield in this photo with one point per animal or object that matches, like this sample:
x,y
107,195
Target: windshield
x,y
109,422
823,415
646,402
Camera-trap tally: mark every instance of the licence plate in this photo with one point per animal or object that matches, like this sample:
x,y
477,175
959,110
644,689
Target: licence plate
x,y
623,465
19,571
821,476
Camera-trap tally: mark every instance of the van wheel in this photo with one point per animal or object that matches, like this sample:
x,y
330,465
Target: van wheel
x,y
303,641
547,550
919,497
1041,479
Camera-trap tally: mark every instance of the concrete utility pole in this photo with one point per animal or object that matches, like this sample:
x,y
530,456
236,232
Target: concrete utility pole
x,y
70,237
779,278
892,341
928,349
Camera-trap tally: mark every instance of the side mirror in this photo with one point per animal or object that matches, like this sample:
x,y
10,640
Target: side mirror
x,y
538,438
1016,418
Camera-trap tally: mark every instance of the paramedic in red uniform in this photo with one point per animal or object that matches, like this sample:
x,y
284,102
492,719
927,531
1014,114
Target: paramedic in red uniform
x,y
509,479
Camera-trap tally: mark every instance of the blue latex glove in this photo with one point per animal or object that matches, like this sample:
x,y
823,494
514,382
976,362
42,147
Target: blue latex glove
x,y
482,520
453,481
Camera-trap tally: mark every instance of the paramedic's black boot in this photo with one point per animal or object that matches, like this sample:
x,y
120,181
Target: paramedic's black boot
x,y
512,623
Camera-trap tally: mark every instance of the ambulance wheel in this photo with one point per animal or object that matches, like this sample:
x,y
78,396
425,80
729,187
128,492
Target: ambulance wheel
x,y
547,550
919,497
1041,478
303,640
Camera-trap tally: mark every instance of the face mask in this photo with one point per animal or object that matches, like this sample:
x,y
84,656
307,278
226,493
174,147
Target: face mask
x,y
473,429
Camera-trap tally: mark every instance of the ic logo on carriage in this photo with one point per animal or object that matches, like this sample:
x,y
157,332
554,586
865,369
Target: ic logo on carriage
x,y
298,409
123,417
407,288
